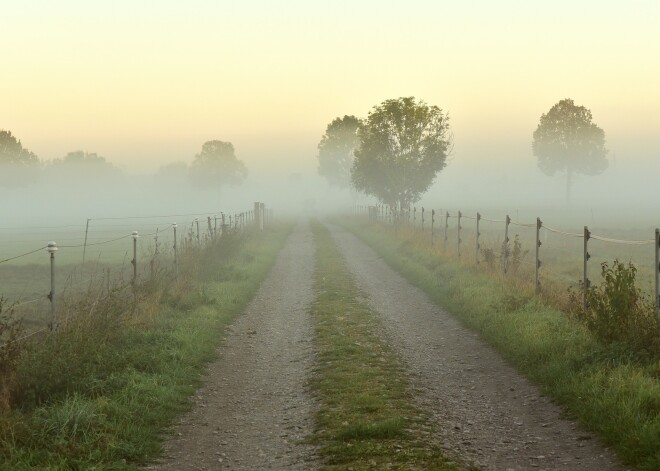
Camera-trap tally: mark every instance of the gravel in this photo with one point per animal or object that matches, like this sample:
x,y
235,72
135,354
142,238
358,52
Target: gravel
x,y
253,411
484,412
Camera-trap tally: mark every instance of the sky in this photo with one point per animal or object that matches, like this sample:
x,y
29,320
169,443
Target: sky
x,y
145,83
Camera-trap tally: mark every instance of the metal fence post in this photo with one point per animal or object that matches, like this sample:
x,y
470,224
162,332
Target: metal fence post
x,y
458,233
52,248
505,246
478,247
134,261
537,265
657,272
587,256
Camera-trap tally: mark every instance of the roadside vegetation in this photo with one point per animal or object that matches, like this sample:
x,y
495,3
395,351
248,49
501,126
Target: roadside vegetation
x,y
602,364
100,393
365,420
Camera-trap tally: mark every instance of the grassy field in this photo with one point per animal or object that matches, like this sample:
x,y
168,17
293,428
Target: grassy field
x,y
100,395
611,389
366,420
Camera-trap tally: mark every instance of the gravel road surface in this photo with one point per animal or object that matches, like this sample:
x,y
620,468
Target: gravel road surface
x,y
253,411
486,413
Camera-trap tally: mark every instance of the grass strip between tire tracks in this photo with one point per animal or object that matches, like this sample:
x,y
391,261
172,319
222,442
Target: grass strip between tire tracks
x,y
366,420
605,387
119,393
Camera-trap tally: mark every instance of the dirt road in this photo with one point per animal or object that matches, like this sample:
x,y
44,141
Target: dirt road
x,y
486,413
253,410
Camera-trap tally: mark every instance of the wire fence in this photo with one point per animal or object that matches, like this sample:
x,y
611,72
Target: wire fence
x,y
105,254
562,254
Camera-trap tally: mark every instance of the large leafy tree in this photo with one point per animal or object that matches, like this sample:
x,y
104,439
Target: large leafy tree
x,y
216,165
566,140
17,164
403,144
337,150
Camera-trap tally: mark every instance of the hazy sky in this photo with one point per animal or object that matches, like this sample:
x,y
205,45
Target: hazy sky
x,y
145,83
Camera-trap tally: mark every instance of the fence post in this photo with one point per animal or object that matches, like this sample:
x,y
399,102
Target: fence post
x,y
208,220
52,248
85,243
657,272
587,256
458,231
134,261
446,228
176,258
197,224
432,225
478,247
505,246
422,218
537,265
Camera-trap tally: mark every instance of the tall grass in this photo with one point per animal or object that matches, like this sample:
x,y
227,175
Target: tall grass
x,y
100,392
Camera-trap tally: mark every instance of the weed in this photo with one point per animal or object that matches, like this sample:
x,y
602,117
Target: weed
x,y
11,330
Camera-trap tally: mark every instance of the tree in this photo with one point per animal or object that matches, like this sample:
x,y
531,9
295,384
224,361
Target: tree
x,y
336,150
85,167
17,164
217,165
403,145
566,140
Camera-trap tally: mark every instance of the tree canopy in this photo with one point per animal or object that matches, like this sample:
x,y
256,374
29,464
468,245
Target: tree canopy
x,y
85,167
566,140
17,164
403,144
216,165
336,150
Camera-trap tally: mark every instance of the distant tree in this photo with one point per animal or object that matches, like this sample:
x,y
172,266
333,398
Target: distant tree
x,y
403,144
216,166
86,166
566,140
337,150
18,165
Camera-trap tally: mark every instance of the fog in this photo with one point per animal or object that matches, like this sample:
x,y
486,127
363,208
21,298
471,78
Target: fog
x,y
624,194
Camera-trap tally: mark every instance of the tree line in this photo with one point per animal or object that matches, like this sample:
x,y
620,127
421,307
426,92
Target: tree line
x,y
396,153
216,165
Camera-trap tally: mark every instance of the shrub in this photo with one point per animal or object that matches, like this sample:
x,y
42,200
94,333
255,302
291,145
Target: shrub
x,y
618,311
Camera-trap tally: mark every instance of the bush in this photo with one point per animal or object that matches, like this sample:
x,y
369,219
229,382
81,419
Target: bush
x,y
618,311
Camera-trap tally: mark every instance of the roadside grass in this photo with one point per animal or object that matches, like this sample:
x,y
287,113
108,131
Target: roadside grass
x,y
101,394
612,390
366,420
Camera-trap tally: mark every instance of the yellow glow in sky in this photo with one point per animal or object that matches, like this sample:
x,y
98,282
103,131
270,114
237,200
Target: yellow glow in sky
x,y
146,83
